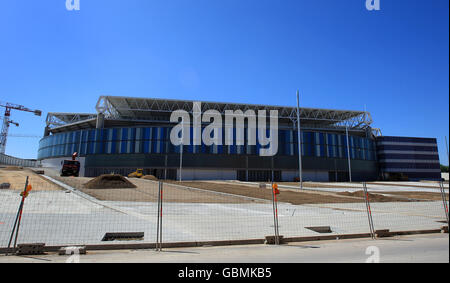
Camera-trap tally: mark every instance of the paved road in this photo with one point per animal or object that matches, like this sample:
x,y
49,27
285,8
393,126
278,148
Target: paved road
x,y
417,248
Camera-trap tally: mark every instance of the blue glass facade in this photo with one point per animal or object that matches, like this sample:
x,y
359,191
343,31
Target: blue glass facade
x,y
156,140
408,158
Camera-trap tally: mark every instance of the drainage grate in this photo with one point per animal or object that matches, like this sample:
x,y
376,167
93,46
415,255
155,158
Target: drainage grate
x,y
320,229
123,236
30,249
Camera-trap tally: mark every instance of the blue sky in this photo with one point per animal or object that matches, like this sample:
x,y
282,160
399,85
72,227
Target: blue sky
x,y
394,62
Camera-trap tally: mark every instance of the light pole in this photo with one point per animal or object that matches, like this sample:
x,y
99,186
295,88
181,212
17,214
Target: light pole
x,y
446,146
348,156
181,158
299,142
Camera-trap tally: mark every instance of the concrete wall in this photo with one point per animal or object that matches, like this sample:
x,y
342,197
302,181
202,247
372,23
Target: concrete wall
x,y
55,163
14,161
314,168
287,176
317,176
204,174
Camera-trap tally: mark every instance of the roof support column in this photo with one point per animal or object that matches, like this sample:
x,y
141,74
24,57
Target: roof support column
x,y
46,131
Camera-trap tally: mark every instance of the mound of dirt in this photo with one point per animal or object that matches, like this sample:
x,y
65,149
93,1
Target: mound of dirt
x,y
149,177
373,197
109,181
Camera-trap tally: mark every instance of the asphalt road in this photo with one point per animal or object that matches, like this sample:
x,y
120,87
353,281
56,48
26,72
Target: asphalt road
x,y
405,249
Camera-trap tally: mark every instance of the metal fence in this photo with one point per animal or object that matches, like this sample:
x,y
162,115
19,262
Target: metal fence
x,y
14,161
65,211
419,211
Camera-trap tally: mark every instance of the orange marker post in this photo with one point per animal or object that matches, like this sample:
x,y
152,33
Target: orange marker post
x,y
24,195
275,192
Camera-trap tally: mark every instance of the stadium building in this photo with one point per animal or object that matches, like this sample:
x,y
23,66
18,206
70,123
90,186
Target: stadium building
x,y
129,133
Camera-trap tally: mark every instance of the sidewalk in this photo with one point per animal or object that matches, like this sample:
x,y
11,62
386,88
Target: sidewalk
x,y
417,248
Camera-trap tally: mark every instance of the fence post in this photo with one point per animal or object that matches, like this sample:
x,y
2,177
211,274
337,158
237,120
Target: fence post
x,y
160,219
18,219
275,215
369,211
444,199
159,216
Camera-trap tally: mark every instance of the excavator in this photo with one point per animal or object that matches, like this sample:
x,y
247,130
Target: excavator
x,y
139,173
70,167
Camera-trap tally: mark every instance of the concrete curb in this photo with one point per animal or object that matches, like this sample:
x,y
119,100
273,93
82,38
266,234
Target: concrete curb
x,y
140,246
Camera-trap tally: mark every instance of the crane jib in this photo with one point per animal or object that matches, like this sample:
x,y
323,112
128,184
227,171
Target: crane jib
x,y
6,121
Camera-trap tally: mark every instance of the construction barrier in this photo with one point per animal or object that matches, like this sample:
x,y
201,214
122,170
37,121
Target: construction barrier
x,y
113,211
418,209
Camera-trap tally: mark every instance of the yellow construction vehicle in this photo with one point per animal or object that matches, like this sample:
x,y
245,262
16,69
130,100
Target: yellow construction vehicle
x,y
136,174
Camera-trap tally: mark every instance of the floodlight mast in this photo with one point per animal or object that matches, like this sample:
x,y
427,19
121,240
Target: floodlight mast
x,y
299,143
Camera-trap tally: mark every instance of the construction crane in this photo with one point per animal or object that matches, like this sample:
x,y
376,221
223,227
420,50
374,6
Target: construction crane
x,y
7,122
24,136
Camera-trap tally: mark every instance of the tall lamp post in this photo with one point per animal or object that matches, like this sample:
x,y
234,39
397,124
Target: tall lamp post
x,y
299,142
181,158
348,156
446,146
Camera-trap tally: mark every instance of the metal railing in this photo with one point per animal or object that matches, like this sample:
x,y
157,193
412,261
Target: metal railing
x,y
86,211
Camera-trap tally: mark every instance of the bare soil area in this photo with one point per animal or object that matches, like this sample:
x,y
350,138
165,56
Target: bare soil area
x,y
217,192
147,191
17,176
312,185
407,185
375,197
419,195
287,195
109,181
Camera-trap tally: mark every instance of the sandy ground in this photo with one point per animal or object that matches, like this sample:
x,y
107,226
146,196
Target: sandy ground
x,y
210,192
227,192
431,185
293,196
287,196
418,195
315,184
18,177
216,191
147,191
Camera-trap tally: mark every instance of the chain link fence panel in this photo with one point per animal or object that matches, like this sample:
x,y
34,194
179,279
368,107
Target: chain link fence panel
x,y
112,209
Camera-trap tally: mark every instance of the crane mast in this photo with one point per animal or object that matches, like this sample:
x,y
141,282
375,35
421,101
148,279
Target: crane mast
x,y
7,121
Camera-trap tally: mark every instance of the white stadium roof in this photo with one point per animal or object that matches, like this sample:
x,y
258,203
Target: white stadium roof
x,y
134,109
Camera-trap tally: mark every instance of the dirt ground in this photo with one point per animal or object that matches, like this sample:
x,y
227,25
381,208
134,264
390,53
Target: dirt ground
x,y
322,185
376,197
408,185
17,177
147,191
418,195
294,197
209,191
312,185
